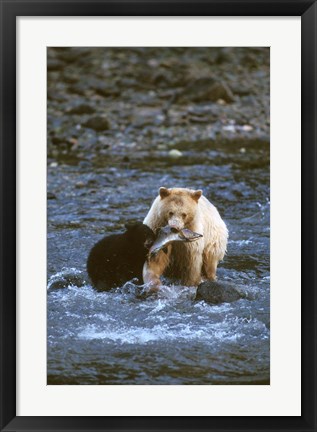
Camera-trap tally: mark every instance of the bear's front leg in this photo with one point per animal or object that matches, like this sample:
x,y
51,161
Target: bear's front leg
x,y
154,267
210,266
193,277
188,262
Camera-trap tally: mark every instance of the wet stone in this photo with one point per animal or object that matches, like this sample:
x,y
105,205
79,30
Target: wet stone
x,y
80,185
78,88
58,140
73,54
174,153
242,90
221,292
81,109
206,89
70,79
97,123
51,195
54,96
54,65
66,279
106,90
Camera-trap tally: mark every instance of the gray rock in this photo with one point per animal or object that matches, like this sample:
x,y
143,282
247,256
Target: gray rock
x,y
206,89
51,195
66,279
81,109
54,65
54,96
97,123
70,79
78,88
106,90
221,292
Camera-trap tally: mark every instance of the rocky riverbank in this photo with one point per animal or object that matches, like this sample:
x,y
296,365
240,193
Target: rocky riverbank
x,y
136,103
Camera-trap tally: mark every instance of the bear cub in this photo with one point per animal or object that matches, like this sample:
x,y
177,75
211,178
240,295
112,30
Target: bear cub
x,y
118,258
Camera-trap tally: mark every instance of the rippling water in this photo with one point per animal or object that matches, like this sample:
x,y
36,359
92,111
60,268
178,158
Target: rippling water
x,y
116,338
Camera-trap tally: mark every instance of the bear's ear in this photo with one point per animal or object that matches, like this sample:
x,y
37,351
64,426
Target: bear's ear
x,y
132,225
197,194
164,192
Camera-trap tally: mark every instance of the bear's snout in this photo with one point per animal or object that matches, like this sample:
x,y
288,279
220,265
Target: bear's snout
x,y
177,224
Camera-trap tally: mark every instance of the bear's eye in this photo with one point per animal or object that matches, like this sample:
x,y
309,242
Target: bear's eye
x,y
184,215
171,214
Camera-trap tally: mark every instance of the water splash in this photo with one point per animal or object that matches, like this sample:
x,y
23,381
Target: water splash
x,y
67,277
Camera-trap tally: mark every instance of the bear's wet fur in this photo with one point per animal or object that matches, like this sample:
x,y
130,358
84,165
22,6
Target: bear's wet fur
x,y
118,258
189,263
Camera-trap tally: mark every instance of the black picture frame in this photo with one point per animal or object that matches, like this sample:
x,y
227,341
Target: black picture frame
x,y
12,9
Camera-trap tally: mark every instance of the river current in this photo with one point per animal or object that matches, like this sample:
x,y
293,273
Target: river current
x,y
117,338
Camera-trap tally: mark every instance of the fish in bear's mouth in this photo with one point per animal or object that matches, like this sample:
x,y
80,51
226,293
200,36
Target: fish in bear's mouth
x,y
168,234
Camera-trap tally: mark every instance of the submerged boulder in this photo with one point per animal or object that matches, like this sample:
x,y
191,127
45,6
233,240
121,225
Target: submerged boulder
x,y
221,292
66,278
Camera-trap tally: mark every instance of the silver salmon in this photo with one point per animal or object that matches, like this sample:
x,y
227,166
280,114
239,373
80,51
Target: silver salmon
x,y
167,235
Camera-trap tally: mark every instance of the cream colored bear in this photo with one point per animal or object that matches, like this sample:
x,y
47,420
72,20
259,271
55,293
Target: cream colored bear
x,y
187,262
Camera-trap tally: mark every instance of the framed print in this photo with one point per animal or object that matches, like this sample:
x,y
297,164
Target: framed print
x,y
160,161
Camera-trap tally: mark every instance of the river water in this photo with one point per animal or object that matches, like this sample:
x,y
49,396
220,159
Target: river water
x,y
116,338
